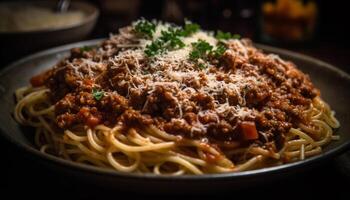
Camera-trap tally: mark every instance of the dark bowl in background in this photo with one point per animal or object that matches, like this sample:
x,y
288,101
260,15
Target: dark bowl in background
x,y
16,44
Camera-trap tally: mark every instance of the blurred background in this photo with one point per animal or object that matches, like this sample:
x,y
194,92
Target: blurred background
x,y
313,27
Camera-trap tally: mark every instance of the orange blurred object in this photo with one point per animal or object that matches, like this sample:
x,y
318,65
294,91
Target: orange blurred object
x,y
249,131
289,20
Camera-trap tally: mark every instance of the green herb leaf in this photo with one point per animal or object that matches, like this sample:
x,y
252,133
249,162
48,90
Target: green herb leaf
x,y
202,66
226,35
203,51
219,51
171,37
222,35
85,48
236,36
200,50
190,28
97,94
145,27
169,40
154,48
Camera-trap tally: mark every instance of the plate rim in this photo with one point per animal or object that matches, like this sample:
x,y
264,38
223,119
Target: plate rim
x,y
149,176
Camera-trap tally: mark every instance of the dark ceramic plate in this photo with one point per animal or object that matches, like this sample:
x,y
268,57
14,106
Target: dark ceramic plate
x,y
333,83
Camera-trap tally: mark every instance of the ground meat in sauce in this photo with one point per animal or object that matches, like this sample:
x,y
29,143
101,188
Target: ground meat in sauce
x,y
275,94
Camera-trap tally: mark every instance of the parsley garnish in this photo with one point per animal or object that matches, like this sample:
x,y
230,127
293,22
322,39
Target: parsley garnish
x,y
85,48
219,51
97,94
203,50
200,50
190,28
154,48
145,27
169,39
226,36
201,65
236,36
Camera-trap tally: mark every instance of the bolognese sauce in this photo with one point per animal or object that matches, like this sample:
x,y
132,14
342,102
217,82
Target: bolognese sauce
x,y
246,94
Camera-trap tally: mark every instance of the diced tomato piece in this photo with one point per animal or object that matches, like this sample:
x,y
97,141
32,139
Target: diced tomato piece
x,y
249,131
88,82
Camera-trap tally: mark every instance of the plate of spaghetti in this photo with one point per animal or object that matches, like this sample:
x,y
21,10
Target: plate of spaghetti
x,y
158,101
